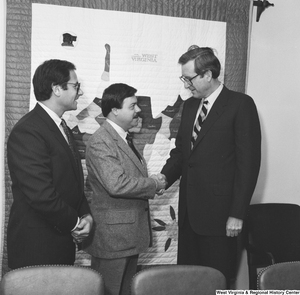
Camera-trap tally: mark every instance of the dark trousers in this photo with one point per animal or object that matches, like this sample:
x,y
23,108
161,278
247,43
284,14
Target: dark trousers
x,y
218,252
117,273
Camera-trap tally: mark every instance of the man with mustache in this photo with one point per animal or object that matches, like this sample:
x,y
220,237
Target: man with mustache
x,y
121,189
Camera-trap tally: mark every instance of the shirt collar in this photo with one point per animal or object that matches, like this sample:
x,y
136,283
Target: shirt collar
x,y
118,129
213,96
52,114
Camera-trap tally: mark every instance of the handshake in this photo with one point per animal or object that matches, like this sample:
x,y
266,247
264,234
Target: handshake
x,y
161,183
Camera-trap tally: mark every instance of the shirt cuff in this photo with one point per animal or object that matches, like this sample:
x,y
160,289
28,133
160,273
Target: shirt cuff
x,y
78,220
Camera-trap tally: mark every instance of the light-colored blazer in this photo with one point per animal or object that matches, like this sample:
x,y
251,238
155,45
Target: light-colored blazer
x,y
120,192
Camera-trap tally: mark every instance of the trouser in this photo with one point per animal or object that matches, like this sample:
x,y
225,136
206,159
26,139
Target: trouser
x,y
117,273
219,252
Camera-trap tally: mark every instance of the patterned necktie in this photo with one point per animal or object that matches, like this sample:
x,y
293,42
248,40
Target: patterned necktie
x,y
199,122
70,140
129,139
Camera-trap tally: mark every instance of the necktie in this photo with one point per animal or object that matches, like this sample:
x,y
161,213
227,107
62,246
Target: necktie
x,y
70,140
129,139
199,122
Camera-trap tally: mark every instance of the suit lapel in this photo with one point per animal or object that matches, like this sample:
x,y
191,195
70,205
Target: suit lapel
x,y
214,114
60,138
192,113
126,149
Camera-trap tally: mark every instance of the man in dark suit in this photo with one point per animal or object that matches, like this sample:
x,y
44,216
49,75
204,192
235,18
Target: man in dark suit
x,y
121,190
217,155
50,212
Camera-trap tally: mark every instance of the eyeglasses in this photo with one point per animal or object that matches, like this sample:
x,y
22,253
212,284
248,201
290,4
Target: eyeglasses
x,y
77,86
188,80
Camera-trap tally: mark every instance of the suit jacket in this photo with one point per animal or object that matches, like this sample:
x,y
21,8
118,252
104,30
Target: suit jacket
x,y
47,190
120,196
219,175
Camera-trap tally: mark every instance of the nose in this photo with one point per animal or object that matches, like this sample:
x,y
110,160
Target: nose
x,y
80,92
186,85
137,109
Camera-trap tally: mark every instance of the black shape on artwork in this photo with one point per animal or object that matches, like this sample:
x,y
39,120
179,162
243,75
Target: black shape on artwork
x,y
171,111
177,109
144,103
68,40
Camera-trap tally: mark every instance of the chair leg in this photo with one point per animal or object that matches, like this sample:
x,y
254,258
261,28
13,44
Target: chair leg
x,y
253,279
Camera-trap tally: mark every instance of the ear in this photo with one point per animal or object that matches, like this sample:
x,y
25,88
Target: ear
x,y
115,111
208,75
56,90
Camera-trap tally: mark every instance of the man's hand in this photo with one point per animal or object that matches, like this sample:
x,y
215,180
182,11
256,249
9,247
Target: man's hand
x,y
233,226
161,183
81,232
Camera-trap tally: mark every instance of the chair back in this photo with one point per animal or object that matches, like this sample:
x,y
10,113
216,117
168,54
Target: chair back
x,y
272,236
52,280
275,228
178,280
280,276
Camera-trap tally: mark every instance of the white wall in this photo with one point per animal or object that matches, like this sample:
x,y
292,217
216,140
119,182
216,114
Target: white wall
x,y
274,83
2,121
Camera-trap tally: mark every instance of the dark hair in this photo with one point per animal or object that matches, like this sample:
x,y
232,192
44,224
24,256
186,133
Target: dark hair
x,y
51,72
114,95
204,59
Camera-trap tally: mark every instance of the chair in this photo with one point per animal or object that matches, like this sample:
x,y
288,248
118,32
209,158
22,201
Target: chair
x,y
280,276
272,236
178,280
52,280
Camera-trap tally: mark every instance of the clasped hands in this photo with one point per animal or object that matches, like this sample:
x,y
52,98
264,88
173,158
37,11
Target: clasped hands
x,y
81,232
161,183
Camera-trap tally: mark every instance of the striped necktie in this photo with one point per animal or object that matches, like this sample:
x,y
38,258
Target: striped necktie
x,y
199,122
